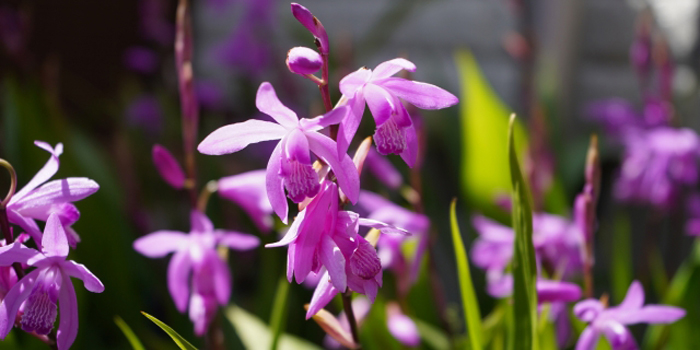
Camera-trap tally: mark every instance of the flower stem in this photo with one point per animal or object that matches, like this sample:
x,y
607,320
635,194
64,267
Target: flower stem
x,y
13,182
347,305
325,92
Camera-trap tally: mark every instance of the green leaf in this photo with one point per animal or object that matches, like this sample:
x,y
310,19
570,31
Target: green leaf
x,y
621,256
433,336
279,311
472,315
128,333
524,269
483,117
177,338
255,335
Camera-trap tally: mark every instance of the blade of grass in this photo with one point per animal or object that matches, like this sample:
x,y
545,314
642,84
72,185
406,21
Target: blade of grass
x,y
524,269
128,333
279,311
472,315
181,342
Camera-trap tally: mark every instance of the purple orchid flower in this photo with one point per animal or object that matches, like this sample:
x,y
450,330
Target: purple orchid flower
x,y
195,254
612,321
692,225
168,167
38,291
402,327
38,199
249,192
290,164
303,60
383,93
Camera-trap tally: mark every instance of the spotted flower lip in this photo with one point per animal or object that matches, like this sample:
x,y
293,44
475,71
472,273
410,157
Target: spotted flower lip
x,y
47,284
290,163
611,322
38,199
383,95
196,274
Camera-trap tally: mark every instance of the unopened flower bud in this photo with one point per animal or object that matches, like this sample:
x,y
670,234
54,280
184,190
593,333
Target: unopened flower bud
x,y
307,19
303,60
168,167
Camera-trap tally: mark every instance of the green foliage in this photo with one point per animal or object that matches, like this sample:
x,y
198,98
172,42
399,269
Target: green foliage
x,y
128,333
256,335
181,342
472,315
524,269
279,311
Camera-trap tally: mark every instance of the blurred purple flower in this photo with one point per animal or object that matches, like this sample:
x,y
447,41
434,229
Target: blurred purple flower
x,y
402,327
290,164
383,93
145,112
195,254
39,291
383,170
168,167
38,199
612,321
657,164
620,118
209,94
249,192
141,59
692,225
303,60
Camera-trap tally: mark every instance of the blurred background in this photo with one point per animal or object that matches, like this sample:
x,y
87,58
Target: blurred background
x,y
99,76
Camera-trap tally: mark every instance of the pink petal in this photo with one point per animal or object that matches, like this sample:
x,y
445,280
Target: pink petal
x,y
551,291
13,299
222,279
168,167
384,228
26,223
354,81
311,23
68,308
421,95
402,327
588,339
323,294
410,155
90,281
16,252
303,60
380,102
292,232
296,147
179,279
249,192
344,170
335,116
47,171
634,299
200,222
54,242
160,243
275,184
383,170
333,260
348,127
587,310
391,67
237,241
268,103
650,314
234,137
71,189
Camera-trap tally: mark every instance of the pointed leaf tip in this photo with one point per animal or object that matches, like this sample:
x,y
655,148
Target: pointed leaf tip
x,y
181,342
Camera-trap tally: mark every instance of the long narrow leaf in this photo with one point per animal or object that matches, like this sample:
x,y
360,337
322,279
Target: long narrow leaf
x,y
279,311
472,315
181,342
128,333
524,269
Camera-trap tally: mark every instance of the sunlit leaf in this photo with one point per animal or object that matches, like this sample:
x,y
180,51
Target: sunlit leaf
x,y
433,336
524,269
181,342
128,333
255,334
470,304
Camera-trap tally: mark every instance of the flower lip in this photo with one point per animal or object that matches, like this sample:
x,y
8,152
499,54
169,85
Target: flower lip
x,y
303,60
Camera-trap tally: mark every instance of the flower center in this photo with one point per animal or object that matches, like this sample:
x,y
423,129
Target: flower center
x,y
39,312
390,138
300,180
364,262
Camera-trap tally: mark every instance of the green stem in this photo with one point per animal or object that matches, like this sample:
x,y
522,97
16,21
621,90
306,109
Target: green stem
x,y
279,311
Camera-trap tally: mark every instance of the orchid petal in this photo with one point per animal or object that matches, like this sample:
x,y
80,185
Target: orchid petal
x,y
634,299
249,192
650,314
17,252
54,242
292,232
323,294
384,228
71,189
222,279
268,103
313,227
333,260
380,102
383,170
587,310
13,299
371,289
344,169
90,281
237,240
179,278
410,154
588,339
168,167
296,147
234,137
391,67
26,223
335,116
47,171
403,328
68,307
619,336
421,95
275,184
354,81
200,222
160,243
67,212
550,291
348,127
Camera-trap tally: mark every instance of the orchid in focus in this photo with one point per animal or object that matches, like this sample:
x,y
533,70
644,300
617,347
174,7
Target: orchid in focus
x,y
36,294
196,274
612,321
289,166
383,94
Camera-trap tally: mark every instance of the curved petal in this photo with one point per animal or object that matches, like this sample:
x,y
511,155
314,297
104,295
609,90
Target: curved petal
x,y
54,242
168,167
91,282
292,232
237,240
160,243
333,260
200,222
403,328
323,294
335,116
296,147
68,307
550,291
70,189
650,314
222,279
634,299
234,137
315,224
268,103
348,127
384,228
421,95
588,339
26,223
47,171
275,185
13,299
380,102
344,169
391,67
249,192
619,336
587,310
410,154
16,252
178,279
354,81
